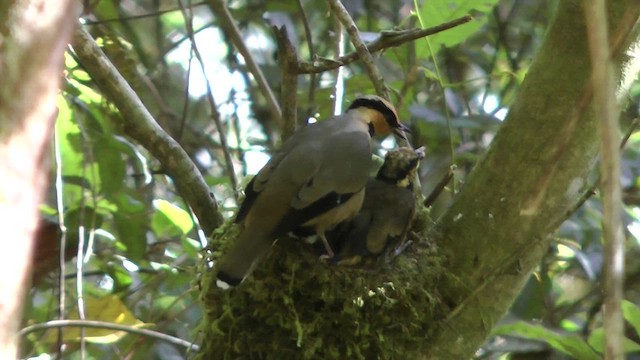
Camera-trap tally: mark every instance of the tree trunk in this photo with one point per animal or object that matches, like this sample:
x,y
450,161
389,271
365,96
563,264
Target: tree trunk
x,y
441,298
501,223
33,37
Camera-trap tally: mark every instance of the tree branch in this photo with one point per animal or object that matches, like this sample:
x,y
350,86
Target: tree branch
x,y
361,48
33,38
603,84
226,22
312,52
386,40
111,326
554,106
215,114
141,126
289,92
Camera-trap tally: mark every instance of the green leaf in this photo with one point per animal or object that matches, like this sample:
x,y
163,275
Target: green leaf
x,y
121,277
596,340
108,309
530,302
169,305
131,222
191,246
568,344
631,313
111,165
87,94
429,74
168,218
69,148
436,12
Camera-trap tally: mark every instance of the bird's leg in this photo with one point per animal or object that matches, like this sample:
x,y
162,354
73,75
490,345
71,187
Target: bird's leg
x,y
327,247
402,247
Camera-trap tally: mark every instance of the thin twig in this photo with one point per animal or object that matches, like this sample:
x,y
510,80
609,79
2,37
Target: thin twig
x,y
411,70
136,17
367,59
215,114
311,98
63,233
386,40
361,48
178,42
226,22
437,190
591,190
452,152
87,159
339,48
338,87
634,125
185,106
140,125
603,84
111,326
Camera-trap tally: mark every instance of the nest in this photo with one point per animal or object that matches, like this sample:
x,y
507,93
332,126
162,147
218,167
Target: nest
x,y
295,306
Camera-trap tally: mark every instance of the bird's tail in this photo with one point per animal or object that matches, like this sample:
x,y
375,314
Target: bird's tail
x,y
240,260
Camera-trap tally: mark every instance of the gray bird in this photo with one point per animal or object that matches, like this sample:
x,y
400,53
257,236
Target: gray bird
x,y
316,180
386,214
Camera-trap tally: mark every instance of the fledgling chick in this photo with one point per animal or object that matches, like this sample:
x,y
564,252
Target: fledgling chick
x,y
316,180
386,214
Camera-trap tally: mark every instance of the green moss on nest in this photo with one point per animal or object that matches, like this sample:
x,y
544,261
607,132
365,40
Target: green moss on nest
x,y
295,306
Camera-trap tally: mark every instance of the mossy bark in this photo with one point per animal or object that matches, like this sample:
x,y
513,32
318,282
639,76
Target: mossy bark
x,y
502,221
495,233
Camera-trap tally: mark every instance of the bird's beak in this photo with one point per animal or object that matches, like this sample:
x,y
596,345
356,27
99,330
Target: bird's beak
x,y
401,130
420,152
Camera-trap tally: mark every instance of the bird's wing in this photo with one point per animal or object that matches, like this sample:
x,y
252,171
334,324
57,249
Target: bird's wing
x,y
323,168
343,168
259,182
393,209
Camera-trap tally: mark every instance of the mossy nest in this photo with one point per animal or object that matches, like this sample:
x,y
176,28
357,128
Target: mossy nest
x,y
295,306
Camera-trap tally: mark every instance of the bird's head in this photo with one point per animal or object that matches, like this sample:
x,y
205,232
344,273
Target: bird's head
x,y
400,165
380,115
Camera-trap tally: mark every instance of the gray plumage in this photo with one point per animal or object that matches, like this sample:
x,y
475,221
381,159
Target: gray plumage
x,y
315,180
386,214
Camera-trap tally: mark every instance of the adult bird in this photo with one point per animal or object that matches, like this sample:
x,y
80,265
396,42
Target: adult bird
x,y
315,180
386,214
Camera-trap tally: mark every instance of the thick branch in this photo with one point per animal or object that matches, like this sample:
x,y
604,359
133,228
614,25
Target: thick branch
x,y
33,37
541,157
140,125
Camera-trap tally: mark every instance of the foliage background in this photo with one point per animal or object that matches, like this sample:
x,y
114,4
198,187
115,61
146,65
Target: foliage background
x,y
140,243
